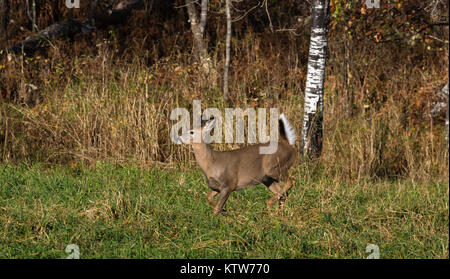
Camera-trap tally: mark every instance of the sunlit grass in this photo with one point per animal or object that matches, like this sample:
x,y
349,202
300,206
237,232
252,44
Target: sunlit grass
x,y
128,212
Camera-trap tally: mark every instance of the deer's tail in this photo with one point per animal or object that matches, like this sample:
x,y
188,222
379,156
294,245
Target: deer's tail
x,y
286,130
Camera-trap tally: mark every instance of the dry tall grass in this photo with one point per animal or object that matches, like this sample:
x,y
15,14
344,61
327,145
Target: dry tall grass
x,y
95,105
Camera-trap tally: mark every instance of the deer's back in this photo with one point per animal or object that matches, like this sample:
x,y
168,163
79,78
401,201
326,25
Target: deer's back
x,y
246,167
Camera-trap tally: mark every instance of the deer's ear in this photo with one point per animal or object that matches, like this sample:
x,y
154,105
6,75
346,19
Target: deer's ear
x,y
210,125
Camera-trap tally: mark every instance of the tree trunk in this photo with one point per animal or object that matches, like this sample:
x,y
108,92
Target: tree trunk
x,y
446,123
33,8
199,42
440,103
4,10
204,16
311,139
32,14
226,93
445,91
92,7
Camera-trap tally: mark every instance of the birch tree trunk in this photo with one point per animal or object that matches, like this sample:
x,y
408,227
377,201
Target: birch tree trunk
x,y
226,93
446,123
311,139
33,6
204,16
437,107
32,14
199,42
445,91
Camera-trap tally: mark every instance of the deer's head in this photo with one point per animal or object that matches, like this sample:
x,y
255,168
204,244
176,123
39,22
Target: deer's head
x,y
197,135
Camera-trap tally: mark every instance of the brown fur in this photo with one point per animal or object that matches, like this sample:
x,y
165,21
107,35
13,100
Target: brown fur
x,y
228,171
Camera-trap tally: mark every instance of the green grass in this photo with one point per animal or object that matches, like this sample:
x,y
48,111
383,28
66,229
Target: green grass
x,y
128,212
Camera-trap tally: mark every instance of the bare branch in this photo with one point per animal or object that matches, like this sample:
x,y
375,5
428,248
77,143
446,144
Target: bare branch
x,y
268,15
247,12
187,4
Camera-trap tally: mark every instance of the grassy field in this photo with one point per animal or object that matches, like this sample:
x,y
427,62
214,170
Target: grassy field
x,y
113,211
77,104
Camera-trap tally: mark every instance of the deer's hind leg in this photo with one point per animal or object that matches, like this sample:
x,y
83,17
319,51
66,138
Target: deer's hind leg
x,y
210,197
280,193
285,191
277,174
277,191
274,187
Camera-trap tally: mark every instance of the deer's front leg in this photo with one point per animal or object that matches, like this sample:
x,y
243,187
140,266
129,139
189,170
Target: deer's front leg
x,y
223,196
215,187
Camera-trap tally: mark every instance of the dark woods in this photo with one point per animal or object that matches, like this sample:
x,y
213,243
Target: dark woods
x,y
98,83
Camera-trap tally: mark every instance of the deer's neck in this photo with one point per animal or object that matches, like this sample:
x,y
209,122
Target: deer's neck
x,y
204,156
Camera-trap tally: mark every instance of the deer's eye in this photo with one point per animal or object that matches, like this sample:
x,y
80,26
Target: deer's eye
x,y
192,132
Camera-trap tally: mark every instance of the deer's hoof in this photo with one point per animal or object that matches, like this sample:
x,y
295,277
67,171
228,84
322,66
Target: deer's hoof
x,y
218,212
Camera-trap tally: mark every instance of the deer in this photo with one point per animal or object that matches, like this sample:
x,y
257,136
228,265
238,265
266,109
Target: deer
x,y
238,169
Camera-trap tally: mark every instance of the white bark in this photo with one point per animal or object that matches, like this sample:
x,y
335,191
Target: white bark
x,y
200,45
315,76
33,7
445,93
440,105
32,14
446,121
203,16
